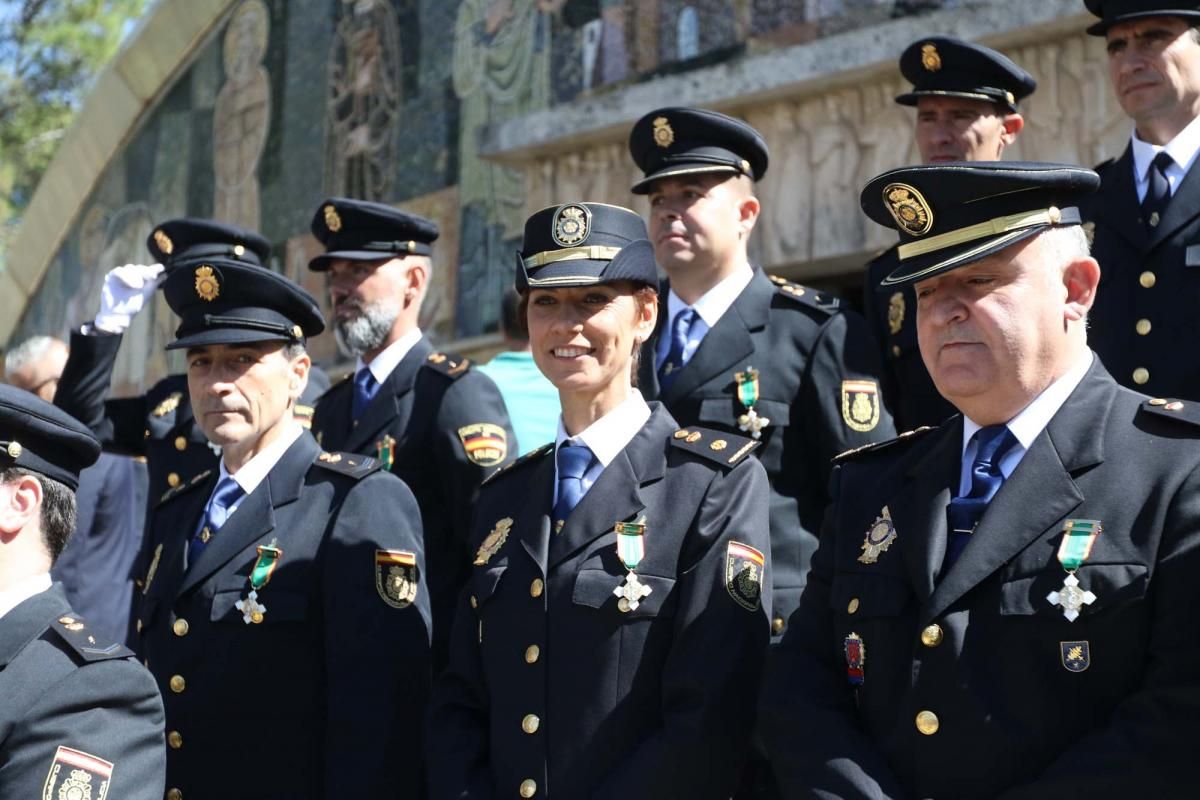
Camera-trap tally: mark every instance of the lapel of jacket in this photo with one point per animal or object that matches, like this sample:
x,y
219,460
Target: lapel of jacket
x,y
382,411
255,517
1181,209
918,509
28,620
1039,493
178,521
532,523
728,342
647,367
615,496
1118,207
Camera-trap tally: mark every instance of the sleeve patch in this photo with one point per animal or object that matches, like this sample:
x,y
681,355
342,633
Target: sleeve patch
x,y
74,773
396,577
860,405
745,570
485,443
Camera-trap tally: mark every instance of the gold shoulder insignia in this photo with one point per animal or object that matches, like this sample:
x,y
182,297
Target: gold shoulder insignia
x,y
1183,411
726,449
530,456
352,464
451,365
805,295
169,404
83,640
907,436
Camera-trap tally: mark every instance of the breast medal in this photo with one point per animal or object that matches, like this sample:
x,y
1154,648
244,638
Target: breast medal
x,y
747,393
268,558
631,547
1078,537
879,537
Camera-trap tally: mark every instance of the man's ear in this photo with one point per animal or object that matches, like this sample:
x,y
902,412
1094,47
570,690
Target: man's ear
x,y
1080,277
748,211
1012,124
20,504
298,375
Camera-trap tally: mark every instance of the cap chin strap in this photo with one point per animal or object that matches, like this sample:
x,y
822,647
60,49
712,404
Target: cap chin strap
x,y
592,253
991,227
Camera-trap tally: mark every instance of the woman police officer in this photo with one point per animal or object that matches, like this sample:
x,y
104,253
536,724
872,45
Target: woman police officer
x,y
610,639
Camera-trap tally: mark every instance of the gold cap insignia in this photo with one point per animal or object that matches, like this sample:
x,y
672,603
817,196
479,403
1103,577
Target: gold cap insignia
x,y
571,225
164,242
207,285
908,208
332,220
745,166
930,59
297,332
14,449
896,313
663,135
1012,101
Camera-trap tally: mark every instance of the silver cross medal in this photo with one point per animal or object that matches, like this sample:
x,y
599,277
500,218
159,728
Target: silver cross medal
x,y
752,423
1071,597
631,592
252,610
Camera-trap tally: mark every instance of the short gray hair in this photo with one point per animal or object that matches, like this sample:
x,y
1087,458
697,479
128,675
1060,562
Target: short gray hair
x,y
1066,244
27,352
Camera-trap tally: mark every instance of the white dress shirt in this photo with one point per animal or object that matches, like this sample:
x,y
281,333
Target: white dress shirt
x,y
606,437
1182,149
382,365
709,310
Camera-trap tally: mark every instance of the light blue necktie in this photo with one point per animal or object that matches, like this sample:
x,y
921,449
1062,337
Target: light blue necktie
x,y
681,328
573,463
365,389
224,497
964,513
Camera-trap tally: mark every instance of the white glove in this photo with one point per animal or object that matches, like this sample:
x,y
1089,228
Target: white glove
x,y
125,291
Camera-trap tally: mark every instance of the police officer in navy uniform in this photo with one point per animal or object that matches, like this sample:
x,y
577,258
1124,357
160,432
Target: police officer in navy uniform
x,y
158,425
610,640
740,351
1147,212
79,717
1005,605
284,612
967,98
433,419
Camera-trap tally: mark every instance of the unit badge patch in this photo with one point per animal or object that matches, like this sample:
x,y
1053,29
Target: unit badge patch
x,y
856,658
744,567
396,577
485,443
1076,656
76,775
860,405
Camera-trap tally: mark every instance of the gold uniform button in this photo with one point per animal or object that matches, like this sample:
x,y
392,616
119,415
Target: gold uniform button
x,y
1141,375
173,480
1147,279
896,350
530,723
777,626
175,740
1142,327
180,626
532,654
178,684
932,635
852,606
535,588
474,602
174,794
528,787
139,626
927,723
180,443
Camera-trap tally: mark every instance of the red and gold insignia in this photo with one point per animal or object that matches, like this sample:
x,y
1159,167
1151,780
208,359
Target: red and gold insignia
x,y
396,577
856,658
76,775
485,443
860,405
744,572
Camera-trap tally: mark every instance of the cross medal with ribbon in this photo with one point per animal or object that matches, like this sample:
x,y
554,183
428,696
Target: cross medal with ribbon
x,y
268,558
631,547
747,393
1078,537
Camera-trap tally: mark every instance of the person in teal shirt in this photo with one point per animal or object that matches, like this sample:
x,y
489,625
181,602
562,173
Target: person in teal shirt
x,y
532,400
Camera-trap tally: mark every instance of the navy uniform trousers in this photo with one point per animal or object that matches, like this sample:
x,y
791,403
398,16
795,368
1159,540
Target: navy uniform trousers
x,y
552,690
79,717
819,387
973,683
323,697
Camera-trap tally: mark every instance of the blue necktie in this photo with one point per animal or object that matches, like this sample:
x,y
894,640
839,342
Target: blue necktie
x,y
680,329
573,463
1158,192
365,389
992,444
224,497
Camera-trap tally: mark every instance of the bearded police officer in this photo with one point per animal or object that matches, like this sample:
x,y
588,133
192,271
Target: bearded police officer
x,y
284,610
1003,606
1147,212
967,97
740,351
429,416
79,717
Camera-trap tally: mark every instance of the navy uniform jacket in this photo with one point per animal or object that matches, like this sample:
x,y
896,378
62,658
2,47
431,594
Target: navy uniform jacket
x,y
552,691
430,404
810,355
891,314
79,717
1025,703
323,698
157,425
1149,284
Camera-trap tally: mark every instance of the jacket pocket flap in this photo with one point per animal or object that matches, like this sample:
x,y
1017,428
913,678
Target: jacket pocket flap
x,y
869,595
1111,585
279,606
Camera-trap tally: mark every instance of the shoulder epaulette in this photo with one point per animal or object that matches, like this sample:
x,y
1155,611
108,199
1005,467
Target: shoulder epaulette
x,y
451,365
532,455
82,640
1186,412
806,295
904,438
174,492
724,448
352,464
